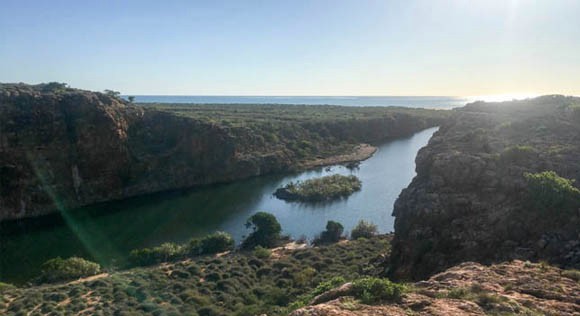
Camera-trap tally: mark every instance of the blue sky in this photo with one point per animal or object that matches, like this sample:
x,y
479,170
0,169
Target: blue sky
x,y
317,47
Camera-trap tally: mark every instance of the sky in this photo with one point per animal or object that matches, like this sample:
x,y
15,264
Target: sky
x,y
297,47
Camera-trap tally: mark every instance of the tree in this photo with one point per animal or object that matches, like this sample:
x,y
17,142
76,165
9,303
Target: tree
x,y
54,87
332,233
131,98
266,231
216,242
112,93
363,230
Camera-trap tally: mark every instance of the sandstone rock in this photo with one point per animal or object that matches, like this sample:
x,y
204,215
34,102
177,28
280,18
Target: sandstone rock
x,y
469,200
514,288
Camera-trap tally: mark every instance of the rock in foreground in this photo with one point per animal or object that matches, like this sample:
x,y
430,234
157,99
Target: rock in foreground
x,y
515,288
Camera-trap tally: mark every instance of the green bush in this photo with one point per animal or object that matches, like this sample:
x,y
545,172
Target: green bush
x,y
261,252
319,289
550,192
193,247
163,253
216,242
372,290
266,231
59,269
517,154
304,277
6,286
572,274
55,87
213,243
363,230
332,233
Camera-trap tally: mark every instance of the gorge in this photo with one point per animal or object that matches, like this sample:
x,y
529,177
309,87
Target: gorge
x,y
488,226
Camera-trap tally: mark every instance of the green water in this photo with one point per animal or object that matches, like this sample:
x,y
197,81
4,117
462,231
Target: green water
x,y
106,233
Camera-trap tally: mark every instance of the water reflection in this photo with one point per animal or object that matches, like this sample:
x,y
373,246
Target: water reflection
x,y
116,228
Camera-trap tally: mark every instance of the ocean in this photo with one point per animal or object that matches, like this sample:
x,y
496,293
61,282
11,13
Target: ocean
x,y
403,101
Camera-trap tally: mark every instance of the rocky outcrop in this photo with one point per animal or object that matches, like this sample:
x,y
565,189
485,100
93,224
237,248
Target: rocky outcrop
x,y
514,288
64,148
470,200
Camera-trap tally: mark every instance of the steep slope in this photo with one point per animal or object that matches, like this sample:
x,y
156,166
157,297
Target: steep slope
x,y
63,148
471,201
239,283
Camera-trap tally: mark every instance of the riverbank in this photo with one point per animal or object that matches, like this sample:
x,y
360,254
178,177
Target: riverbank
x,y
67,148
359,153
113,229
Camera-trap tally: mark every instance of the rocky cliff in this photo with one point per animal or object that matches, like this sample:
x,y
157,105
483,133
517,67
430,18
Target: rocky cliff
x,y
471,201
63,148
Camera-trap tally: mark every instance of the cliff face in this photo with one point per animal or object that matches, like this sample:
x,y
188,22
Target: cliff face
x,y
59,150
470,200
66,148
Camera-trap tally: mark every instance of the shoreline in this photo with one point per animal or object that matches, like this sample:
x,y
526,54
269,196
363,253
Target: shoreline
x,y
360,153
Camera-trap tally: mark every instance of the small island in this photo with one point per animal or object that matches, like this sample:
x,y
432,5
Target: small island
x,y
320,189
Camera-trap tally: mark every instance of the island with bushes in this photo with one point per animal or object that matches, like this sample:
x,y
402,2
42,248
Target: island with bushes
x,y
320,189
117,149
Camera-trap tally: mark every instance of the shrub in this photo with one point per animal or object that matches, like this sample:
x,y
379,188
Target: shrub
x,y
6,286
209,311
59,269
572,274
112,93
458,293
320,288
363,229
332,233
261,252
193,247
266,231
168,251
304,277
54,87
216,242
148,256
276,296
549,192
372,290
518,154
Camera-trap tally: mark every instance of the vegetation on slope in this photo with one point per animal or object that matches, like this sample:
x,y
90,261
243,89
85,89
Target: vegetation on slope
x,y
320,189
511,288
59,269
210,244
237,115
551,193
233,284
